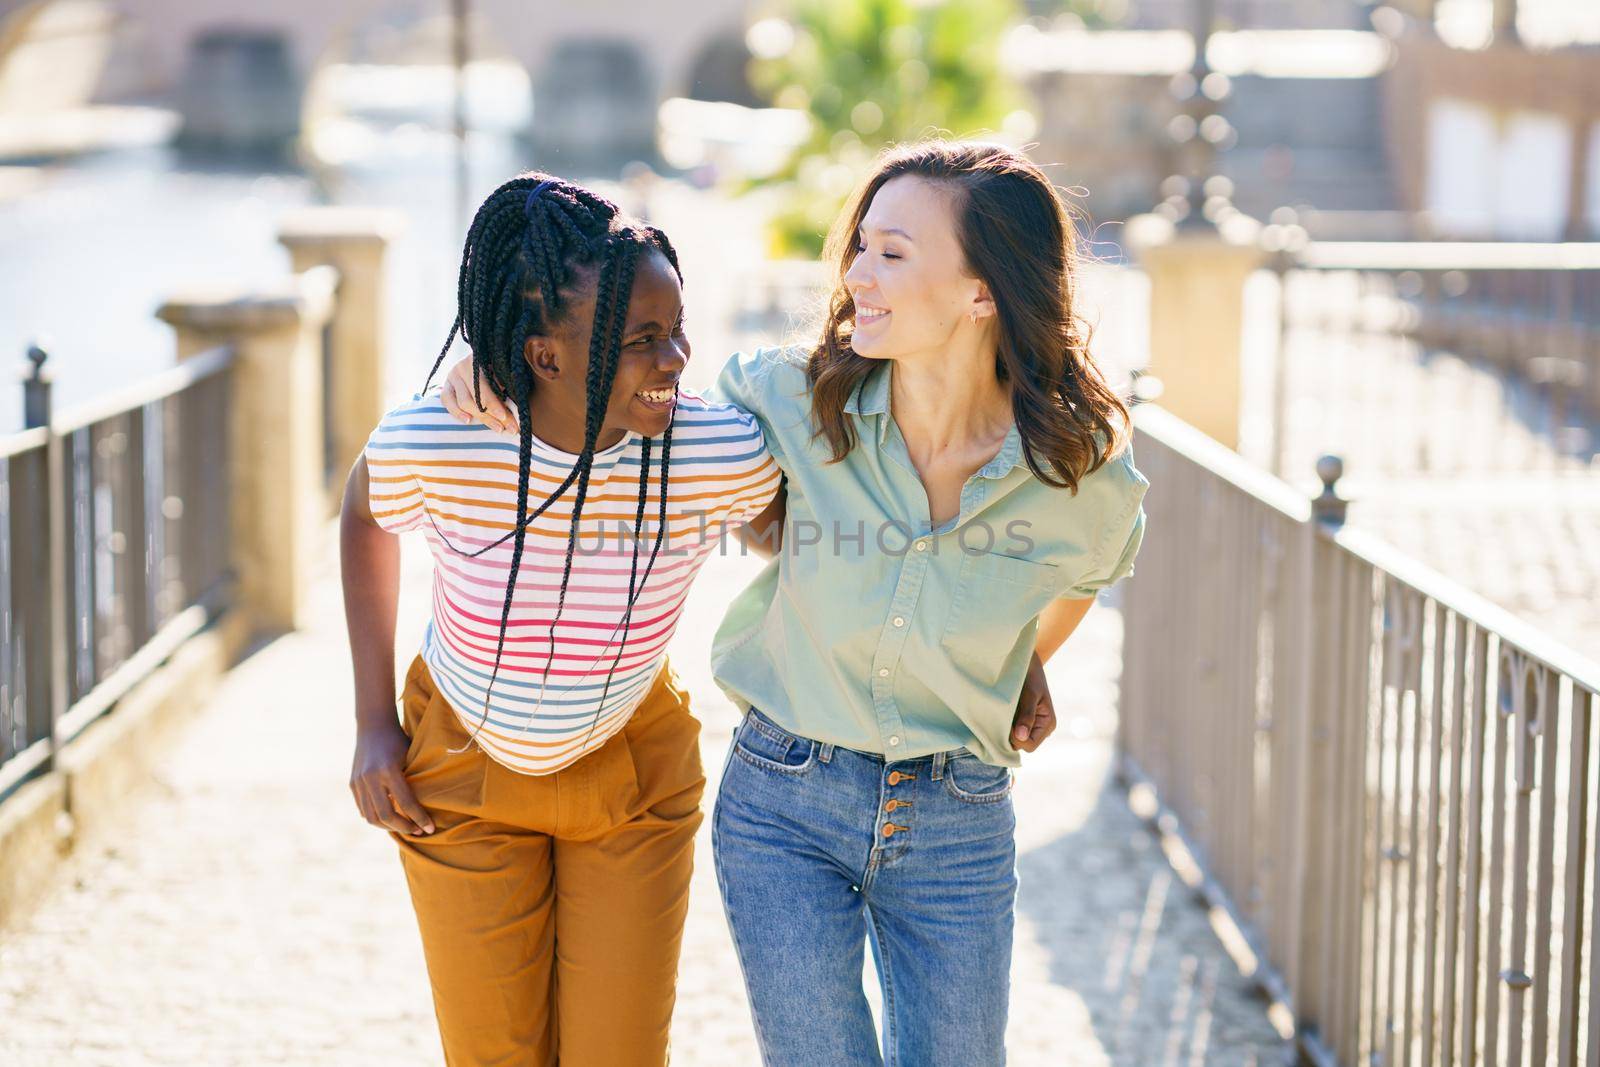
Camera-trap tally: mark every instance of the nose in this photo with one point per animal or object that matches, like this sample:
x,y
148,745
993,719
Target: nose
x,y
673,357
858,275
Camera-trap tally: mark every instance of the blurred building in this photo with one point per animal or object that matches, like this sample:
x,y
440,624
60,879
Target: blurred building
x,y
665,43
239,72
1254,14
1368,122
1305,109
1500,142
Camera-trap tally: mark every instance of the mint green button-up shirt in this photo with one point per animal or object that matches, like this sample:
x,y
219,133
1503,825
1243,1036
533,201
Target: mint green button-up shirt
x,y
872,630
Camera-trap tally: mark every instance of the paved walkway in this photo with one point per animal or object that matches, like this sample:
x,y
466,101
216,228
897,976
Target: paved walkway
x,y
245,915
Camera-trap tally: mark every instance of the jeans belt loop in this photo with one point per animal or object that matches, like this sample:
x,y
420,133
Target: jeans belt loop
x,y
825,753
938,766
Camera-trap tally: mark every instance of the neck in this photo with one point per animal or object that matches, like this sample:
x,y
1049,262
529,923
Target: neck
x,y
949,401
558,425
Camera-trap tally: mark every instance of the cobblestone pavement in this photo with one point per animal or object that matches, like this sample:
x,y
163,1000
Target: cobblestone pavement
x,y
243,914
1467,471
1530,545
1510,517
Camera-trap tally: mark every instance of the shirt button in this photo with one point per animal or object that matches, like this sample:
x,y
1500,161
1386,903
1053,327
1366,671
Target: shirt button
x,y
894,739
889,829
889,807
922,546
883,672
899,620
894,777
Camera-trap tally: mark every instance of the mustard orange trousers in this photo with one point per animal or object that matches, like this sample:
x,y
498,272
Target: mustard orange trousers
x,y
552,906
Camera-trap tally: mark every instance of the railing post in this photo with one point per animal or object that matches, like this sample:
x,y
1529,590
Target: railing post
x,y
1504,19
276,483
1282,243
36,390
1317,769
49,569
354,241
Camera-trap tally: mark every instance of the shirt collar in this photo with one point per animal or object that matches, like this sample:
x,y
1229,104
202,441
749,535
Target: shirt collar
x,y
871,394
871,397
1008,458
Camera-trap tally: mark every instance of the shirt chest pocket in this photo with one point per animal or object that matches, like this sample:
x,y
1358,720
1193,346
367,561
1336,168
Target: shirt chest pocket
x,y
995,598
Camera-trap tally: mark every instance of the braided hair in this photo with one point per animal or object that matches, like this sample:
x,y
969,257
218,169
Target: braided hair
x,y
526,245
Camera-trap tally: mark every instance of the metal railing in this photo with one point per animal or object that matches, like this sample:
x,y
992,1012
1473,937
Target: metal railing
x,y
1438,357
1388,782
114,548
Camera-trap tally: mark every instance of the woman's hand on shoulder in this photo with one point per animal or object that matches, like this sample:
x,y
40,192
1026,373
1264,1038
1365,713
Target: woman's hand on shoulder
x,y
456,394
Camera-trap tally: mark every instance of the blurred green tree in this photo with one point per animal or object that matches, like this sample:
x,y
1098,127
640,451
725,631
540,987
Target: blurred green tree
x,y
876,72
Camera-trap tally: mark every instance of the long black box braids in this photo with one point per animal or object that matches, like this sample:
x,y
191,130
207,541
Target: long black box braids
x,y
525,244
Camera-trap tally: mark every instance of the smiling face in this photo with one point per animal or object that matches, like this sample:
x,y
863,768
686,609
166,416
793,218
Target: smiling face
x,y
654,353
909,280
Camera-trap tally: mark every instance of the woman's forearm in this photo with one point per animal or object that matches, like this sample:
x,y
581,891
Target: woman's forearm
x,y
370,573
1057,622
763,534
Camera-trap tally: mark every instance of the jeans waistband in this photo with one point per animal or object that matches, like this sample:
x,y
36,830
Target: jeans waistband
x,y
827,748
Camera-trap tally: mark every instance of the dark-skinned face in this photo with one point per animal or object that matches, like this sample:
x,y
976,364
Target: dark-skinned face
x,y
654,353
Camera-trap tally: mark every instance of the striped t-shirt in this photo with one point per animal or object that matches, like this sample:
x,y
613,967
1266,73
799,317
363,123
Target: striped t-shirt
x,y
429,472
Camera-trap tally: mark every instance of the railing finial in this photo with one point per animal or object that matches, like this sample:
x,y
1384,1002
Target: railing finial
x,y
36,389
1329,507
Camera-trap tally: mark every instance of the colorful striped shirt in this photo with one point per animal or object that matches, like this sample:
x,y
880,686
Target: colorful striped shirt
x,y
458,484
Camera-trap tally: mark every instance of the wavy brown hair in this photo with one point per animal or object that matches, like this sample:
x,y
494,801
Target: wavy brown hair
x,y
1017,238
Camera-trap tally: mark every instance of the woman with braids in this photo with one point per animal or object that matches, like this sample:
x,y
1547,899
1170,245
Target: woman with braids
x,y
543,781
956,461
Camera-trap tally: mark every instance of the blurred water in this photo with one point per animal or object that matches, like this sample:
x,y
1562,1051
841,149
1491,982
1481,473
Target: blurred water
x,y
87,257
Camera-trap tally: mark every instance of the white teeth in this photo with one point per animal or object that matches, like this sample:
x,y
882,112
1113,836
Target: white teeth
x,y
870,313
657,396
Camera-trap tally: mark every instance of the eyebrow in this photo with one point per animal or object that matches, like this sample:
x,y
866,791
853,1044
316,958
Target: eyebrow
x,y
644,327
891,230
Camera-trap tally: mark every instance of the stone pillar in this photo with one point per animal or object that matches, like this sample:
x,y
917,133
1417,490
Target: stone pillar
x,y
276,465
355,241
1197,279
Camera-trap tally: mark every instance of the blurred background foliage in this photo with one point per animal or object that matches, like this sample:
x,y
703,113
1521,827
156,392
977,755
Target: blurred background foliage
x,y
875,73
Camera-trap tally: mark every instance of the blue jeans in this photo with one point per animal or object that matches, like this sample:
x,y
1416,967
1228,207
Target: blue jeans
x,y
820,850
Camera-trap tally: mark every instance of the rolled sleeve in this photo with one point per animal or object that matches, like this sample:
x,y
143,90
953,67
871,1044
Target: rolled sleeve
x,y
1123,536
394,495
763,480
1117,568
769,383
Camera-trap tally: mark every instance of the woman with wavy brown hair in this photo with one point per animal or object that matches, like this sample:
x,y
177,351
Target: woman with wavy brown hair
x,y
959,485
